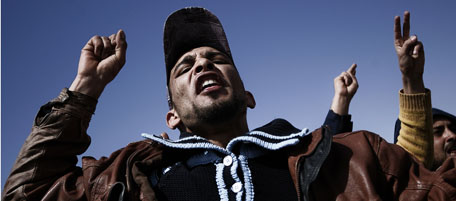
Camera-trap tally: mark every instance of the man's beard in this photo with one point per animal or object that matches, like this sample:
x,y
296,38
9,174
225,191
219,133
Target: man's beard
x,y
438,160
440,157
219,112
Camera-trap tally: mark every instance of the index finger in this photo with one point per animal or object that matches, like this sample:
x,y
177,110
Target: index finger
x,y
352,69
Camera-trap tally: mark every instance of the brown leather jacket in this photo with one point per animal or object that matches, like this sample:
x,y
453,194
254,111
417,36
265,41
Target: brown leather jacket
x,y
351,166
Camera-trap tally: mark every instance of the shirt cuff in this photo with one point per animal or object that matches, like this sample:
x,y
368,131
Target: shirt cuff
x,y
338,123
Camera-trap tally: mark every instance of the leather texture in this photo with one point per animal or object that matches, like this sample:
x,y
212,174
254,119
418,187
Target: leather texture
x,y
351,166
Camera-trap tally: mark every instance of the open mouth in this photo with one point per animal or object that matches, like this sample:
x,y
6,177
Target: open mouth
x,y
452,150
208,82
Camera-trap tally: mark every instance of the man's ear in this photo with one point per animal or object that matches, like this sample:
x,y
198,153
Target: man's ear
x,y
172,119
250,99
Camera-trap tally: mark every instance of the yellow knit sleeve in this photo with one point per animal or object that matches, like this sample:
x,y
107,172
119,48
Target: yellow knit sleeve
x,y
415,136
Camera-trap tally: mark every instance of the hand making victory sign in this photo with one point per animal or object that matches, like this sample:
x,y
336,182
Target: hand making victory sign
x,y
101,60
410,53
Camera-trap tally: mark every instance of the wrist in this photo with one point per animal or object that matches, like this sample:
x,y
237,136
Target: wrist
x,y
87,86
340,104
413,85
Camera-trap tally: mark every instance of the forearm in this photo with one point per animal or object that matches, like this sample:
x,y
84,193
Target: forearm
x,y
413,85
340,105
89,86
415,136
57,137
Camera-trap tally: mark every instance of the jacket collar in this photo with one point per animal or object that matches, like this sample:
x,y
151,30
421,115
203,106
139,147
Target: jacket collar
x,y
275,135
307,153
277,127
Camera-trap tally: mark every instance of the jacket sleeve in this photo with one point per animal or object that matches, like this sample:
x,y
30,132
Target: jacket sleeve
x,y
415,135
50,152
410,180
338,123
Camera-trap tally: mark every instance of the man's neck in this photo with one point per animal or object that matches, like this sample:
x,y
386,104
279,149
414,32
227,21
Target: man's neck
x,y
222,134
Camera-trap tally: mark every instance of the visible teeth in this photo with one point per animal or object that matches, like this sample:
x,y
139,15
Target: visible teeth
x,y
209,82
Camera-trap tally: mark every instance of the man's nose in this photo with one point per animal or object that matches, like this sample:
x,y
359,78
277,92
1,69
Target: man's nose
x,y
203,64
451,135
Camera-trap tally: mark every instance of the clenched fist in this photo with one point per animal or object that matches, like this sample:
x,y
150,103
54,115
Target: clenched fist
x,y
101,60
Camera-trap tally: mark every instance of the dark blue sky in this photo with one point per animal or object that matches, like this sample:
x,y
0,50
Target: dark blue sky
x,y
287,52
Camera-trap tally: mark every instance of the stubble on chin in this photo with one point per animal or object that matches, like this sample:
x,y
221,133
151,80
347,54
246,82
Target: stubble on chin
x,y
217,112
220,112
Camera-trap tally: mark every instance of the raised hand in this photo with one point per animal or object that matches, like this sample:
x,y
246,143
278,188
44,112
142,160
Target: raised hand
x,y
101,60
410,53
345,87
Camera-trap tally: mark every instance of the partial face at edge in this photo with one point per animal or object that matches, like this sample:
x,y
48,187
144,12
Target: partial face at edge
x,y
444,139
206,89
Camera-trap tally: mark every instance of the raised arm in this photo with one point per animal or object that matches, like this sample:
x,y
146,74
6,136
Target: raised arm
x,y
45,168
345,87
415,106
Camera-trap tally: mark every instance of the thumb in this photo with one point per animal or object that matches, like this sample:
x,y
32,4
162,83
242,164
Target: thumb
x,y
408,45
121,46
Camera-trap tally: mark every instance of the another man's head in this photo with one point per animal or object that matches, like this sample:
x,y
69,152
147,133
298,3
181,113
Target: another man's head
x,y
204,86
444,131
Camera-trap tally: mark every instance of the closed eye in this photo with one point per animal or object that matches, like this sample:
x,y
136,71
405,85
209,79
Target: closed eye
x,y
184,69
218,58
438,131
219,61
184,65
